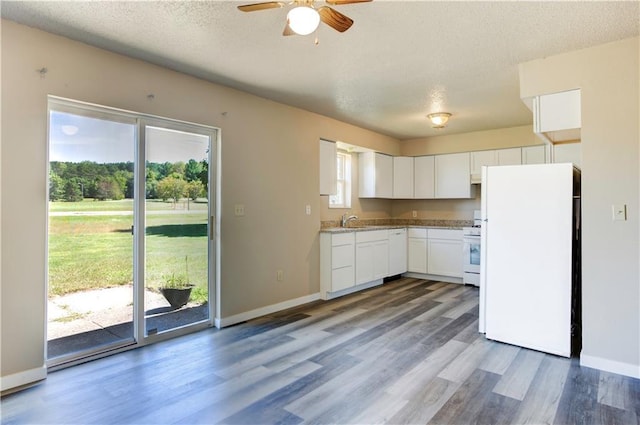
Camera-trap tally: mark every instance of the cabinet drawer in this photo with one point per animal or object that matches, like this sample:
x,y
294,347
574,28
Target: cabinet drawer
x,y
451,234
373,235
397,232
341,256
342,278
342,239
418,233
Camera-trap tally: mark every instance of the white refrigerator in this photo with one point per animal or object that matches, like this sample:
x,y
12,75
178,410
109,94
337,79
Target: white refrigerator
x,y
529,270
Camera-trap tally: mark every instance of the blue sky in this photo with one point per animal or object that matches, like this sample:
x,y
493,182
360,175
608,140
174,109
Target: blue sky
x,y
76,138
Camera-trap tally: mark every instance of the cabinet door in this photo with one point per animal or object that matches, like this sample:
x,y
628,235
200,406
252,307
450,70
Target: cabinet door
x,y
444,257
364,262
559,111
480,158
533,154
511,156
342,278
380,259
328,153
568,152
417,255
424,177
397,251
403,177
384,176
375,173
453,179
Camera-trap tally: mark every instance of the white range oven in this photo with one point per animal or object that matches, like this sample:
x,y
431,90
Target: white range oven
x,y
471,255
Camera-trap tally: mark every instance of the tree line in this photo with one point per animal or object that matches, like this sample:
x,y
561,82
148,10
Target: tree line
x,y
74,181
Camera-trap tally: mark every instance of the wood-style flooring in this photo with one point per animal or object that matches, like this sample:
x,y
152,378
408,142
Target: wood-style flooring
x,y
406,352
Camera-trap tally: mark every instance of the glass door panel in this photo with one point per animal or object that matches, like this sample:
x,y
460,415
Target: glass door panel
x,y
176,241
90,242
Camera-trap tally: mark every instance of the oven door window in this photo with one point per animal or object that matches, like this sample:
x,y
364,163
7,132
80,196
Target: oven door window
x,y
474,254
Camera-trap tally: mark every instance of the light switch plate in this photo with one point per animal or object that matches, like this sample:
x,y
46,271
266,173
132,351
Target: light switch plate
x,y
619,212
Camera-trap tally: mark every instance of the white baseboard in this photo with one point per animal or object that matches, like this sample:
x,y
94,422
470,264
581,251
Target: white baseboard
x,y
262,311
447,279
627,369
20,379
361,287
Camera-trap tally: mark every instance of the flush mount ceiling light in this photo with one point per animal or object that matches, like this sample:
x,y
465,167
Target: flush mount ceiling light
x,y
439,119
303,20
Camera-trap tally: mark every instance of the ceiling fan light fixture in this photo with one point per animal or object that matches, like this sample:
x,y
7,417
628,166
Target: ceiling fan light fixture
x,y
303,20
439,119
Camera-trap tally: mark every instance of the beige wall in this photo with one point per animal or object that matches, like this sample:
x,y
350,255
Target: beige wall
x,y
437,209
269,163
608,76
472,141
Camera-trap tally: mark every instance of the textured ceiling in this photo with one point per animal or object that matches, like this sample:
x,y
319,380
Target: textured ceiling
x,y
400,61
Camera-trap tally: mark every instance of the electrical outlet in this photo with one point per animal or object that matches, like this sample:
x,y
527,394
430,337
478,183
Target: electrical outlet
x,y
307,209
279,275
239,210
414,214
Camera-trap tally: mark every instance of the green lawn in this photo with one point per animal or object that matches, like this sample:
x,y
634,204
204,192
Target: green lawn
x,y
90,252
89,204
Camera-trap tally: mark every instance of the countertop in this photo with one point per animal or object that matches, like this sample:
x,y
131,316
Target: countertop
x,y
366,228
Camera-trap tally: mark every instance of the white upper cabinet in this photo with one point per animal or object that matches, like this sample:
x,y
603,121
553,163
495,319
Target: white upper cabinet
x,y
328,171
403,177
424,177
511,156
568,152
480,158
452,173
557,116
534,154
375,172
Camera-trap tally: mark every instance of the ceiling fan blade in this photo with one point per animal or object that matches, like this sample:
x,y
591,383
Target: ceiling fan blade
x,y
339,2
288,30
335,19
261,6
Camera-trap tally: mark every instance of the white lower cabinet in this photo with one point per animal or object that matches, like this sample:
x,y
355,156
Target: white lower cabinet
x,y
435,252
397,251
417,251
352,261
372,255
444,252
337,262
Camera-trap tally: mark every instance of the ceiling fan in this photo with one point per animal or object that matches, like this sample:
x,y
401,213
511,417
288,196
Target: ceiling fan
x,y
304,18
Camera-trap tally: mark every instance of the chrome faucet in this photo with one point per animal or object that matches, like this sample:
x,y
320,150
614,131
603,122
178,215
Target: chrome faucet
x,y
346,220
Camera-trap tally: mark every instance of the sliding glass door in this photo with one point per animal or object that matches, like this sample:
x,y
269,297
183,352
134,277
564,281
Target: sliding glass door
x,y
131,244
176,243
90,241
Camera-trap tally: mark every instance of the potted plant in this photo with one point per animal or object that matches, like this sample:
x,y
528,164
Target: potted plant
x,y
176,287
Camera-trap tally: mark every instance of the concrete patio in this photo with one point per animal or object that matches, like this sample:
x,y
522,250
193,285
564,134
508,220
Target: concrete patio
x,y
89,319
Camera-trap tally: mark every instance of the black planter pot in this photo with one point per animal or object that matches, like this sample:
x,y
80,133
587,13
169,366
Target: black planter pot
x,y
177,297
